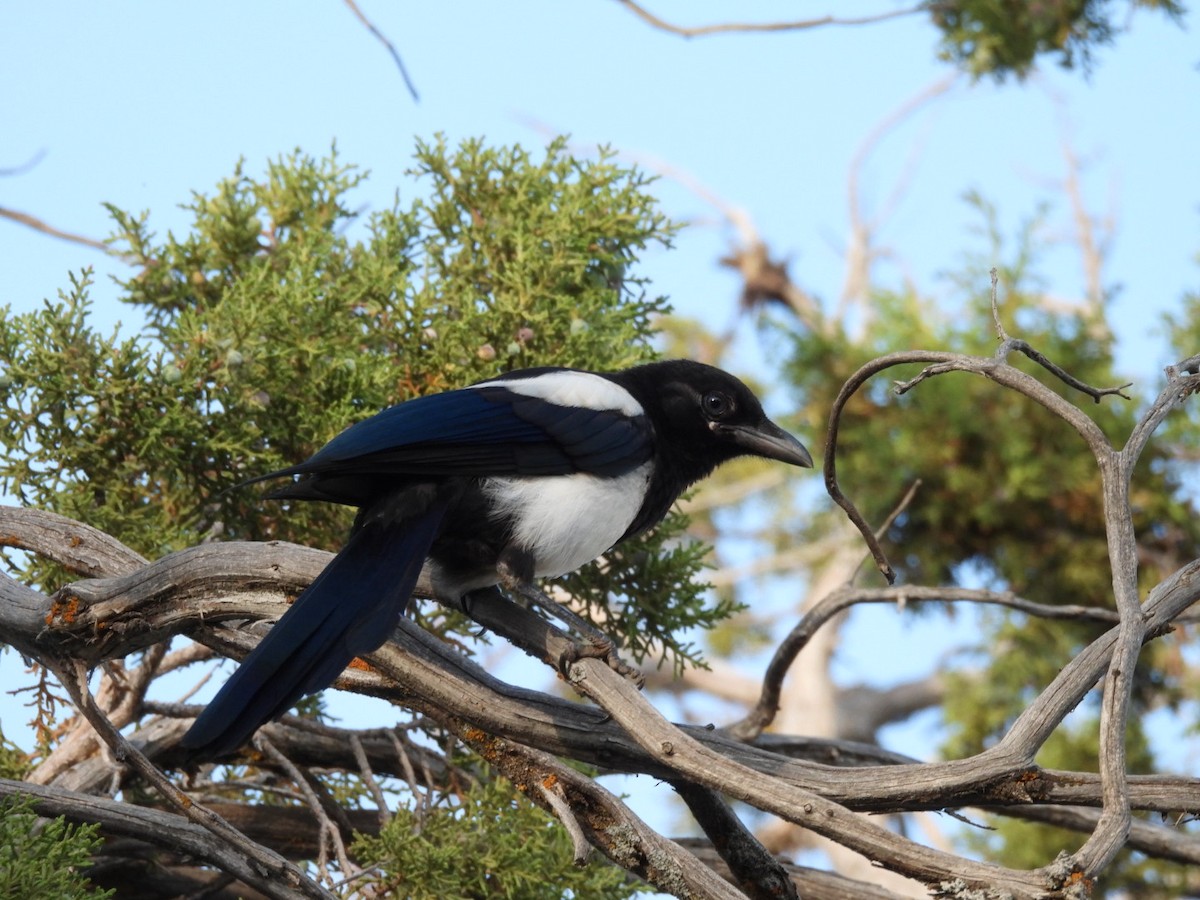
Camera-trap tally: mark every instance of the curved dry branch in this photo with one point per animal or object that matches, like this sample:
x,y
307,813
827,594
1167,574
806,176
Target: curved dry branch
x,y
73,545
996,369
763,713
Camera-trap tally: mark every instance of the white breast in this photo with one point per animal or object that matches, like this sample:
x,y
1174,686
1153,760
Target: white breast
x,y
568,520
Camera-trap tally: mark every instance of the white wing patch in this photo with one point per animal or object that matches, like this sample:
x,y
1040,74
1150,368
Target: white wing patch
x,y
568,388
568,520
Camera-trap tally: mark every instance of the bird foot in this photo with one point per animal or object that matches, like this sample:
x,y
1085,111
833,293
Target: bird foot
x,y
603,649
592,642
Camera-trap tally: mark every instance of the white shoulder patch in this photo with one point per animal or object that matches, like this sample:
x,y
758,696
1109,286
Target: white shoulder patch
x,y
581,389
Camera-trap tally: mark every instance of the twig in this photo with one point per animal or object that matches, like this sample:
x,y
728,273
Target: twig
x,y
702,30
1060,373
412,90
39,225
896,512
423,801
330,833
368,777
562,811
1001,334
22,168
859,253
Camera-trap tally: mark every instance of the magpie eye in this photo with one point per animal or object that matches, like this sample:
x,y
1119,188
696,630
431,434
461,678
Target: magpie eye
x,y
716,405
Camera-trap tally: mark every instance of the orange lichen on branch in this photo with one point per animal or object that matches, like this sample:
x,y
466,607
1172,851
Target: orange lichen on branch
x,y
65,611
360,664
1078,878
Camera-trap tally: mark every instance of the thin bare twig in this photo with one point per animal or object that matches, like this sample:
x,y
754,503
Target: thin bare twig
x,y
1096,393
22,168
331,835
727,27
860,252
412,90
562,811
1001,334
424,799
896,512
45,228
368,777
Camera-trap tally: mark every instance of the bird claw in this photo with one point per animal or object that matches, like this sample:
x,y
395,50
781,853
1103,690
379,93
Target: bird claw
x,y
599,648
592,643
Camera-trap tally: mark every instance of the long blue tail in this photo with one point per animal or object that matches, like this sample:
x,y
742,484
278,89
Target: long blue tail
x,y
350,609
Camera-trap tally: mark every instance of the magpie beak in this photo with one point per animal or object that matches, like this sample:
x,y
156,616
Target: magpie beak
x,y
528,475
770,441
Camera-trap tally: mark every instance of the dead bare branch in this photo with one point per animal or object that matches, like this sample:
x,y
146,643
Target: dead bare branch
x,y
22,168
728,27
37,224
391,48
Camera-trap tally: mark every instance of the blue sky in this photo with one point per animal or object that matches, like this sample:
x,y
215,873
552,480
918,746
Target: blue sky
x,y
139,104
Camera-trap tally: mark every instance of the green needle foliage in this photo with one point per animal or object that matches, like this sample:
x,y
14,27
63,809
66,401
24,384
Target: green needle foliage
x,y
1006,37
508,849
42,860
281,316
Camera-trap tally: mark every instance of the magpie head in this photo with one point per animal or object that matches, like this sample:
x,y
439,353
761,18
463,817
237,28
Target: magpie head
x,y
704,416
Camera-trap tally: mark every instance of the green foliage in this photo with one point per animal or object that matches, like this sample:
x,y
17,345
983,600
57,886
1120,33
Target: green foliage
x,y
508,848
280,318
40,860
14,762
1003,37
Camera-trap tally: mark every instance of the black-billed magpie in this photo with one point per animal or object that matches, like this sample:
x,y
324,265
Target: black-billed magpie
x,y
528,475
